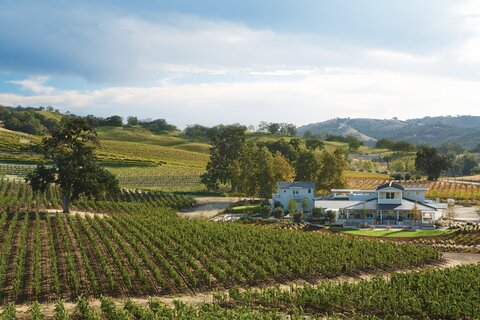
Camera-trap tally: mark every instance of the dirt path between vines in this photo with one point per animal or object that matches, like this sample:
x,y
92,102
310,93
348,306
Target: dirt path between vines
x,y
450,259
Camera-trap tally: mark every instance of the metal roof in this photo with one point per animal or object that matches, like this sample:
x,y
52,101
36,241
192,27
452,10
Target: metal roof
x,y
352,190
406,205
335,204
296,184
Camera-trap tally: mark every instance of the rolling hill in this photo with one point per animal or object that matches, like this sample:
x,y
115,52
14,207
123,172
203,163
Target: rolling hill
x,y
434,131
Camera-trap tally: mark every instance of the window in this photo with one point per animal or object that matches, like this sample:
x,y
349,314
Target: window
x,y
295,191
390,195
309,190
417,193
408,193
284,190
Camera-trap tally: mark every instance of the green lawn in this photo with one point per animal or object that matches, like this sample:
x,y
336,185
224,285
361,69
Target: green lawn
x,y
245,209
392,233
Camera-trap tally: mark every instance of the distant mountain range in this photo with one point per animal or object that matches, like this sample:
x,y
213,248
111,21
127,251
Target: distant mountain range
x,y
434,131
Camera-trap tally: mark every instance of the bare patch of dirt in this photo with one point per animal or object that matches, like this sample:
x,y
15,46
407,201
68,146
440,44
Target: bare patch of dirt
x,y
208,207
80,213
453,259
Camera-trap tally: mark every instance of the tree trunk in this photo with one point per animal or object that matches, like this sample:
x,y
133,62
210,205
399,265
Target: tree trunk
x,y
66,202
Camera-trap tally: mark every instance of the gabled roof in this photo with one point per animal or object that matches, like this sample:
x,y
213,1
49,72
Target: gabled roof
x,y
405,205
296,184
389,185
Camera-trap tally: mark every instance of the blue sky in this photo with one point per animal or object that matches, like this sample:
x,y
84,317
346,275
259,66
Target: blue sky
x,y
218,61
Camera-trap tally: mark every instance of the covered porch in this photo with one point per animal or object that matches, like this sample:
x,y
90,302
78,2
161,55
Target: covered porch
x,y
379,218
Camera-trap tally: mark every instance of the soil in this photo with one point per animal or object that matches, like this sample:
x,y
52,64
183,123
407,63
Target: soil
x,y
208,207
81,213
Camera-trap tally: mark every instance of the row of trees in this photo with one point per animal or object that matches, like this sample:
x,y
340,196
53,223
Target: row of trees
x,y
397,146
156,125
27,120
287,129
432,162
198,131
253,169
353,142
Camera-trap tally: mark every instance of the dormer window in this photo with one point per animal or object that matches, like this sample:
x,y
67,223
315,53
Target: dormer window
x,y
390,195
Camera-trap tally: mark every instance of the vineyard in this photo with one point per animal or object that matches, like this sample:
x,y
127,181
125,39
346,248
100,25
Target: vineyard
x,y
430,294
164,177
437,189
18,196
121,150
143,248
152,251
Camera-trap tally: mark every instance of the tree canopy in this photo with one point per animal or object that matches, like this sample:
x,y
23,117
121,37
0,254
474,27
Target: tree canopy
x,y
314,144
227,145
74,167
430,162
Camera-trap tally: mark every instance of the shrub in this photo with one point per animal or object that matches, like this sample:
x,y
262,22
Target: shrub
x,y
278,213
317,211
297,217
277,204
266,210
292,205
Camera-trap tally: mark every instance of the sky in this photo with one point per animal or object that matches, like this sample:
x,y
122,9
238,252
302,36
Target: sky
x,y
222,61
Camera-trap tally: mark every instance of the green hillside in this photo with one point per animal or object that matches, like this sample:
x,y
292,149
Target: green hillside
x,y
140,158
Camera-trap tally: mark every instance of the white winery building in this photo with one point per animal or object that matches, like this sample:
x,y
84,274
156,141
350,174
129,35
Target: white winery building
x,y
297,191
388,205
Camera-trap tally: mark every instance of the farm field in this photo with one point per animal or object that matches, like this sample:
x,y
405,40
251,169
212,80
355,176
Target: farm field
x,y
412,295
437,189
164,177
18,196
433,294
117,150
142,247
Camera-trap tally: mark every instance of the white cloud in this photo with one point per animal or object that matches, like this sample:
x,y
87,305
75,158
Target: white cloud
x,y
402,57
191,70
34,84
466,50
349,93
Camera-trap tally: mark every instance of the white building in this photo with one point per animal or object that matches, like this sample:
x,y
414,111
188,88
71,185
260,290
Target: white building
x,y
389,204
297,191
